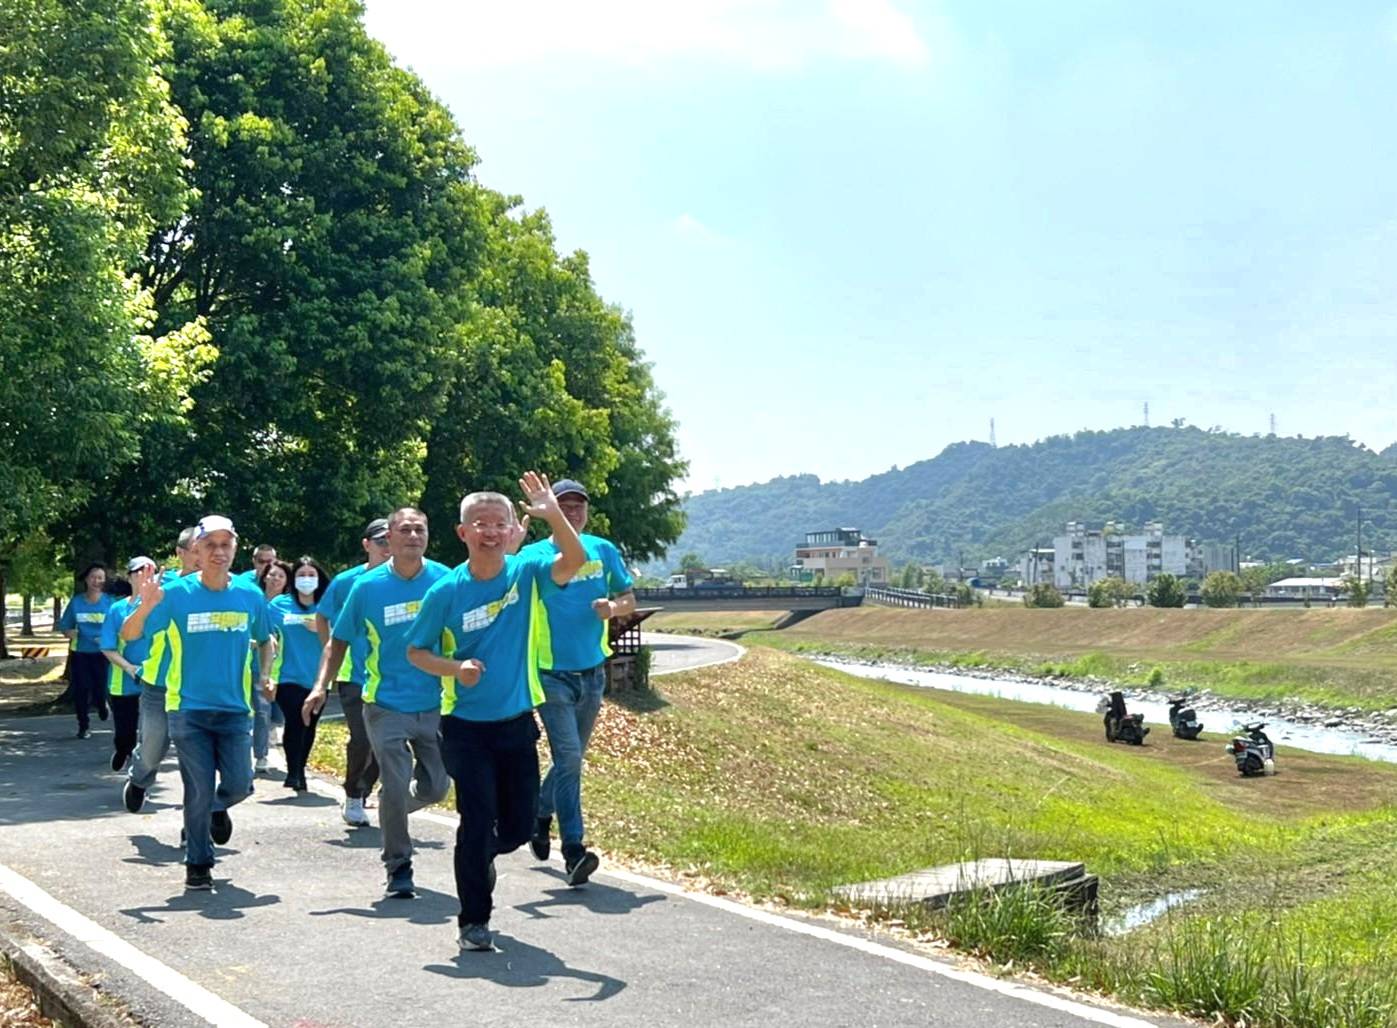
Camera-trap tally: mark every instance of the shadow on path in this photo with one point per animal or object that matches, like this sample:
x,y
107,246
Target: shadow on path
x,y
226,903
517,965
428,908
598,898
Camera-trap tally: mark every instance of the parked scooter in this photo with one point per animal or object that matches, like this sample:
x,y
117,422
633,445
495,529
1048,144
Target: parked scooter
x,y
1184,720
1120,726
1254,752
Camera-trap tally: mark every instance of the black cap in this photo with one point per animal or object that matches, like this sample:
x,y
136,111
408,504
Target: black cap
x,y
377,528
567,486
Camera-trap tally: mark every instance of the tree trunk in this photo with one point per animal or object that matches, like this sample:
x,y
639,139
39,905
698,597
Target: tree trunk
x,y
57,611
27,616
4,650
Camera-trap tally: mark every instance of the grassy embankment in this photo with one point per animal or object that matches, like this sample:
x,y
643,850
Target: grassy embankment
x,y
1338,658
780,779
713,622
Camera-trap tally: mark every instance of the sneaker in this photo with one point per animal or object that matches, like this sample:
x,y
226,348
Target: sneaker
x,y
538,842
102,713
354,814
84,733
300,784
580,870
198,876
261,766
118,760
476,938
220,827
400,883
133,796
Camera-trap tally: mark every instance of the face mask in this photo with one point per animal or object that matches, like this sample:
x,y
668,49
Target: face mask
x,y
306,583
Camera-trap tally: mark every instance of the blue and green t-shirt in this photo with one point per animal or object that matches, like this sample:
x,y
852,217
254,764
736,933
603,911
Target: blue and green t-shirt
x,y
298,642
331,602
379,609
491,621
87,617
571,637
205,634
119,683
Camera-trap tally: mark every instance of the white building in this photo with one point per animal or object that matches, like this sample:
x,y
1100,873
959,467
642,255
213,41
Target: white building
x,y
1307,588
1084,556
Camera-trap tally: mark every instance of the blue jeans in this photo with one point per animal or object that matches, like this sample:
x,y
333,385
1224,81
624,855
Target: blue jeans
x,y
210,742
571,702
261,723
154,739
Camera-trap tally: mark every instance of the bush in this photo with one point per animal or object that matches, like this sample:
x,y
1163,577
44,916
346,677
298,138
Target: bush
x,y
1156,679
1222,589
1014,925
1110,592
1166,591
1043,595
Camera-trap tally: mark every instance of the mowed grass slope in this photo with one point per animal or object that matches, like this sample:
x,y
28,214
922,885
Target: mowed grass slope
x,y
1339,657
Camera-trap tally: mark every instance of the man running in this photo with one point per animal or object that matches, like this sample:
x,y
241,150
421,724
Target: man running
x,y
574,646
360,768
402,705
206,622
476,631
124,684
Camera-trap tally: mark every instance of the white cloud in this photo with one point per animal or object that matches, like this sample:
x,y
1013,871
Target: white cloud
x,y
764,34
692,228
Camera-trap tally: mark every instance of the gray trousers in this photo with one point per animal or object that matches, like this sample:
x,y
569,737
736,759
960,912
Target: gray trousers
x,y
410,773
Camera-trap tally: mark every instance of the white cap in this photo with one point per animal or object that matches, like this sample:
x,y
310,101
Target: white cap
x,y
136,563
211,523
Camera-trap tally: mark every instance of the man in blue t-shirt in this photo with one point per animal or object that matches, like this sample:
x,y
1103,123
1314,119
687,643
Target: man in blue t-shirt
x,y
573,645
205,624
402,705
184,553
476,632
360,768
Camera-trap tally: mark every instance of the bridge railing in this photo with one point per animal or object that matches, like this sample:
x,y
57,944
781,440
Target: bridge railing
x,y
890,597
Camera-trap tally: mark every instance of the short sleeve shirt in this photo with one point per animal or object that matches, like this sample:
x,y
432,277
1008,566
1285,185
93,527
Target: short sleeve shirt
x,y
330,605
205,633
87,617
491,621
298,642
119,683
571,636
379,609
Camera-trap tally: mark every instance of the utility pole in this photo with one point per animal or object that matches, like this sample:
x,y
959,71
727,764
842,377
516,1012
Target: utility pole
x,y
1273,423
1147,413
993,445
1360,544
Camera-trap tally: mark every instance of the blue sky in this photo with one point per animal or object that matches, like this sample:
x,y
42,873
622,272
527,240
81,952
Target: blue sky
x,y
850,233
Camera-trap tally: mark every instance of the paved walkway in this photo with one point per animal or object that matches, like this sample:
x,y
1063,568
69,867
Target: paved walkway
x,y
299,933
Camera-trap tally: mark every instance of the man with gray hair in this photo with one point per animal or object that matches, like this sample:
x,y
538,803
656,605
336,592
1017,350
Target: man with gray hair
x,y
184,553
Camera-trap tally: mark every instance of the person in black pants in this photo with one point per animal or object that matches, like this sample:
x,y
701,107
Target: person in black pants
x,y
124,676
87,669
301,638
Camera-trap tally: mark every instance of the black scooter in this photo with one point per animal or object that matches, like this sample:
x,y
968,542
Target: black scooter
x,y
1254,752
1184,720
1120,726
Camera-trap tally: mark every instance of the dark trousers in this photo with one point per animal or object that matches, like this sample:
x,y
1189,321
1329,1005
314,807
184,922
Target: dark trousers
x,y
126,718
88,677
360,768
296,736
495,767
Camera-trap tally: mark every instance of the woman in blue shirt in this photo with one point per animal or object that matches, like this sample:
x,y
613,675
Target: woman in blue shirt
x,y
87,670
274,579
301,639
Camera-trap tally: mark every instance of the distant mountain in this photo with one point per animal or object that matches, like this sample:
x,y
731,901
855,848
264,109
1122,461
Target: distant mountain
x,y
1285,497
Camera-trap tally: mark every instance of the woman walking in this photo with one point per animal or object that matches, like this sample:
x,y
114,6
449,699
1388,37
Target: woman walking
x,y
87,669
274,579
300,642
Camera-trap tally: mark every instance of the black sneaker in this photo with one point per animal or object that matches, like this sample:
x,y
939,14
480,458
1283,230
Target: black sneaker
x,y
538,842
198,876
118,760
133,796
102,713
84,733
580,870
400,883
220,827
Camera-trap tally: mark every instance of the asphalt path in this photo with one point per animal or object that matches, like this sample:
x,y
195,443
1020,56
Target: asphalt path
x,y
298,932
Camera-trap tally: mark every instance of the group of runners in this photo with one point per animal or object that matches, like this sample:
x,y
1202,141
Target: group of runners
x,y
439,672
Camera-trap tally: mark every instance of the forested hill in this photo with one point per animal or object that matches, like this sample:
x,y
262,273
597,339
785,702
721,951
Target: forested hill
x,y
1285,497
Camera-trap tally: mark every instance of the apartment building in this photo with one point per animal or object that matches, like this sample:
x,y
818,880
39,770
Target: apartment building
x,y
836,552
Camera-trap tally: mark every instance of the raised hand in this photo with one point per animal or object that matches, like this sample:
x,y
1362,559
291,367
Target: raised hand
x,y
539,500
150,592
518,534
468,674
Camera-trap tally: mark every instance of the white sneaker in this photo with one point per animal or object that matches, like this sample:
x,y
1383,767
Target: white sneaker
x,y
261,766
354,814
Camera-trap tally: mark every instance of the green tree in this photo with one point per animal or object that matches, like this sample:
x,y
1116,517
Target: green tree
x,y
1165,590
933,584
1043,595
91,153
691,562
1110,592
1389,595
1356,591
1221,589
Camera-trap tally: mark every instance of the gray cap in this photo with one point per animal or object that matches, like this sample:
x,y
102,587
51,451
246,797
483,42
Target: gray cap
x,y
136,563
376,529
567,486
